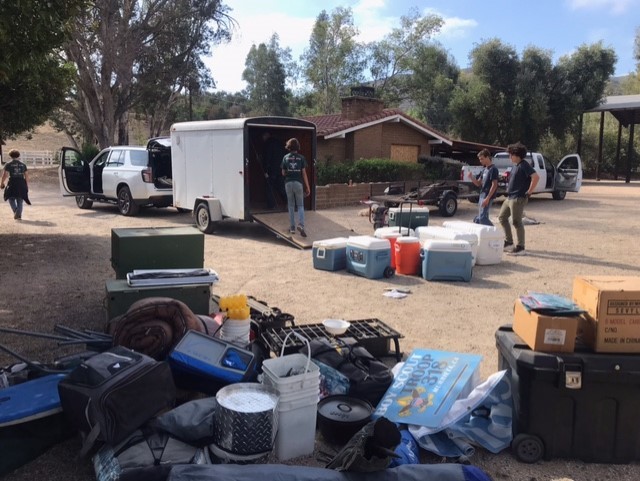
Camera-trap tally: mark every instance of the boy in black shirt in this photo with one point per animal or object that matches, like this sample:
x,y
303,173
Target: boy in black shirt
x,y
522,182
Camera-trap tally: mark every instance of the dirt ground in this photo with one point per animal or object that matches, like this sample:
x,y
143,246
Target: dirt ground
x,y
55,262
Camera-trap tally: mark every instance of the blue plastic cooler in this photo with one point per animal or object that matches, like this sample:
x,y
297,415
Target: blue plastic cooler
x,y
369,257
444,260
330,254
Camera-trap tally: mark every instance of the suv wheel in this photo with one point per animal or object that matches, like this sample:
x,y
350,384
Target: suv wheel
x,y
83,202
126,205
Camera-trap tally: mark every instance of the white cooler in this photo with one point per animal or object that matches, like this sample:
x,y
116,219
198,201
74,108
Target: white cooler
x,y
490,240
446,260
442,233
369,256
330,254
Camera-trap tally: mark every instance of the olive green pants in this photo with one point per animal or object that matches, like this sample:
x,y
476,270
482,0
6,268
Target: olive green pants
x,y
513,208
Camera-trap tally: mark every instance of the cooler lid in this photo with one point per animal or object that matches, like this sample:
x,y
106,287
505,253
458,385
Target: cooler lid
x,y
335,243
414,209
437,232
441,245
483,231
368,242
387,232
407,240
30,400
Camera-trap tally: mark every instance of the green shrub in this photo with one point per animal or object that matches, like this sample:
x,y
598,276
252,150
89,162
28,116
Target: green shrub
x,y
89,151
385,170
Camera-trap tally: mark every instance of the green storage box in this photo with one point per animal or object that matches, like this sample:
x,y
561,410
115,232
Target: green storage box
x,y
156,248
121,295
409,216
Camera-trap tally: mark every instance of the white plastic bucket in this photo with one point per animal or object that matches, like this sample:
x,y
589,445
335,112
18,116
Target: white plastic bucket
x,y
279,368
296,429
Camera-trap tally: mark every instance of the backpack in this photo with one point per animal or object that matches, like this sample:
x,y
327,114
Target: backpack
x,y
368,377
110,395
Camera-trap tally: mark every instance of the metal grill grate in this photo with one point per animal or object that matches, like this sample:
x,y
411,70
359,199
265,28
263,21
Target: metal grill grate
x,y
372,334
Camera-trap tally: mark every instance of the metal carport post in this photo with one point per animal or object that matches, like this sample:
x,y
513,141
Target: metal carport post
x,y
626,109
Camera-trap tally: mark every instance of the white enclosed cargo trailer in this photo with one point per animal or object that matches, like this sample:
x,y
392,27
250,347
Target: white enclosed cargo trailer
x,y
217,173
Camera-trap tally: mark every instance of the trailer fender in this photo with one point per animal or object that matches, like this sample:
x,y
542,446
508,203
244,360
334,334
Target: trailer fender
x,y
206,212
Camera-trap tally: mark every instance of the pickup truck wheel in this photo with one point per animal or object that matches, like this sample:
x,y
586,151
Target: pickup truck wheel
x,y
203,219
448,205
126,205
559,194
83,202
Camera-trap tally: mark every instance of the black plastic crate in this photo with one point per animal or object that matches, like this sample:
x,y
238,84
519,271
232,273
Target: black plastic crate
x,y
580,405
372,334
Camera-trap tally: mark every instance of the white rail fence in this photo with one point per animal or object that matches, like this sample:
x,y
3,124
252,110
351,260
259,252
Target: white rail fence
x,y
34,157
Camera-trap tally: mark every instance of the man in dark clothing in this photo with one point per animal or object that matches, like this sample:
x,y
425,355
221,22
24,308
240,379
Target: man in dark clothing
x,y
487,180
17,189
272,153
522,182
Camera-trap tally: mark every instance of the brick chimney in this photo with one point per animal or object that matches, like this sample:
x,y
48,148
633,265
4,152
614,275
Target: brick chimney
x,y
360,104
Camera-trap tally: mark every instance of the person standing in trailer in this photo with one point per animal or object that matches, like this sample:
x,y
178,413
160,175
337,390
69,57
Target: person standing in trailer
x,y
294,171
17,189
487,180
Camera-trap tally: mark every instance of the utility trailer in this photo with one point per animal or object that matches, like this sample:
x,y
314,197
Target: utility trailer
x,y
217,173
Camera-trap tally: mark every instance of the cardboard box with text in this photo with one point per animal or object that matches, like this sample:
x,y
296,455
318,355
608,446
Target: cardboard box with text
x,y
613,312
545,333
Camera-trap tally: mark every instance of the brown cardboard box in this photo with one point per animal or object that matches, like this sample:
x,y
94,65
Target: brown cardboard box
x,y
544,333
613,307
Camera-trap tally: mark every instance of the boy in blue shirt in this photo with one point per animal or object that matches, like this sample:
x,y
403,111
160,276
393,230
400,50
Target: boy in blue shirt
x,y
487,180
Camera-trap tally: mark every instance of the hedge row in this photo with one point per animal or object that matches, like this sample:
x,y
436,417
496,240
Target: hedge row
x,y
385,170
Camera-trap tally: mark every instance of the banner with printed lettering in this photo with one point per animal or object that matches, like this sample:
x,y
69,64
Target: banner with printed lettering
x,y
427,385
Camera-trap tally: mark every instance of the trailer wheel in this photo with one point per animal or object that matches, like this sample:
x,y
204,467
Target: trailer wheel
x,y
474,200
448,205
203,219
388,272
83,202
527,448
559,194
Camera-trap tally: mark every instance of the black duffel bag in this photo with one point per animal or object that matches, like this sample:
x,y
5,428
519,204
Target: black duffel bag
x,y
369,378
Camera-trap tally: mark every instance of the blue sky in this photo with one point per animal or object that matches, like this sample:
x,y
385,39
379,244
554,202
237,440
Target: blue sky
x,y
556,25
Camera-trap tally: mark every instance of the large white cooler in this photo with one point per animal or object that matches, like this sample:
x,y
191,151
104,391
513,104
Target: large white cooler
x,y
369,256
442,233
446,260
490,240
330,254
410,216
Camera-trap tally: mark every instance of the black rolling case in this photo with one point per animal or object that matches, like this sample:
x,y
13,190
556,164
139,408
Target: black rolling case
x,y
580,405
113,393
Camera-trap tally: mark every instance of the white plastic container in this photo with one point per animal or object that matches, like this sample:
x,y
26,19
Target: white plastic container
x,y
369,256
444,260
296,428
442,233
490,240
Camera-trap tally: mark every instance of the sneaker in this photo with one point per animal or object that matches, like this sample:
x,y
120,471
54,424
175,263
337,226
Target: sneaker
x,y
507,245
15,215
517,251
292,230
302,232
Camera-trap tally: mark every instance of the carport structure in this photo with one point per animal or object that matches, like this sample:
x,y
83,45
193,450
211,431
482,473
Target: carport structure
x,y
626,109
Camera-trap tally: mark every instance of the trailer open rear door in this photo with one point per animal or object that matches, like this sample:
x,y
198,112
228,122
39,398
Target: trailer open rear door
x,y
317,225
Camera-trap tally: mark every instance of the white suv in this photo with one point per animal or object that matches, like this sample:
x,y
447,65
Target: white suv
x,y
129,176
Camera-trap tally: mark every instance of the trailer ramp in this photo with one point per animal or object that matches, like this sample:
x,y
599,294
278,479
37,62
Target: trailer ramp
x,y
317,225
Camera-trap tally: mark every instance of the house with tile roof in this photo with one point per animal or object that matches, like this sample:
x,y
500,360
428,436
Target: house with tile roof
x,y
364,129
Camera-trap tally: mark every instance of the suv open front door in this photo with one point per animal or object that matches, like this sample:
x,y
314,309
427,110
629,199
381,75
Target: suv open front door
x,y
569,173
75,176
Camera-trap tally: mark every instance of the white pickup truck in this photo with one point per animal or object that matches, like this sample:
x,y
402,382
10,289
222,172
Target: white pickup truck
x,y
557,180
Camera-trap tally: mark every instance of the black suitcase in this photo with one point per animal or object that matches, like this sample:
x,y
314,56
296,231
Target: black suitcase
x,y
578,404
113,393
